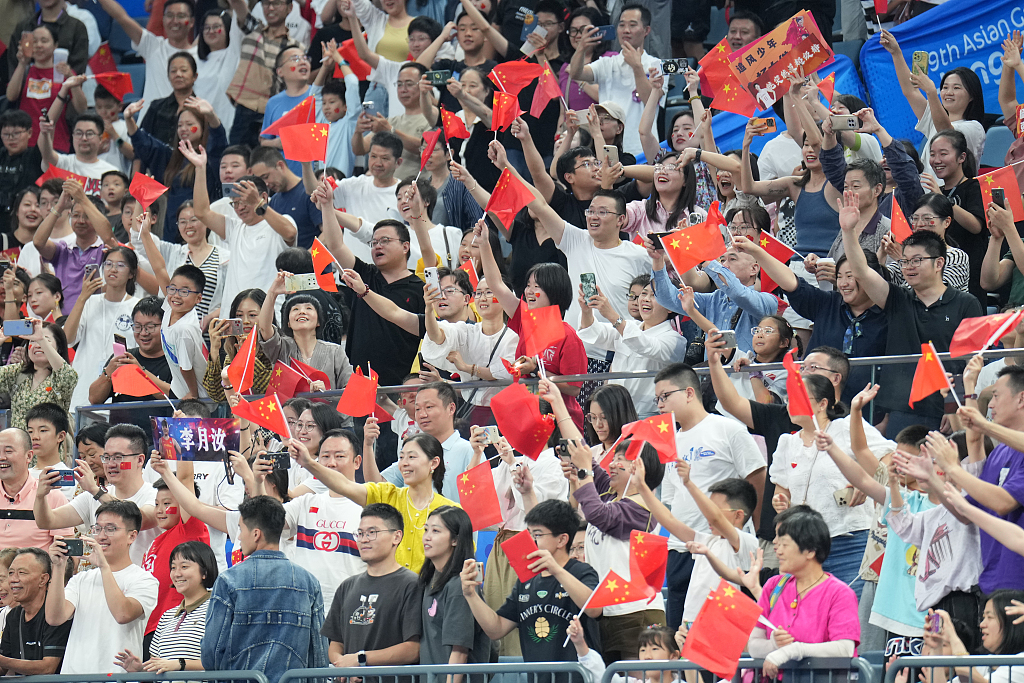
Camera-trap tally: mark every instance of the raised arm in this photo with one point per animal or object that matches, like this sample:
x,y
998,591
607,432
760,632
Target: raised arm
x,y
383,306
493,35
1007,83
200,196
331,233
429,54
648,140
917,101
505,296
41,239
265,320
767,189
335,481
853,472
873,283
579,70
534,162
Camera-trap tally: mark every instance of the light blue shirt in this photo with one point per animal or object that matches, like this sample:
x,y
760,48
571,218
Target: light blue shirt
x,y
339,140
457,454
894,596
721,305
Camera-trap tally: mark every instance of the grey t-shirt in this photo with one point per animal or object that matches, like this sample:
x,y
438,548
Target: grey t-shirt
x,y
448,622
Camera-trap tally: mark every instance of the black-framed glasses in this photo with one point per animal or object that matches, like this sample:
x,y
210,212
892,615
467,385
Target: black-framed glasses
x,y
383,241
180,291
601,213
117,458
661,398
150,328
916,261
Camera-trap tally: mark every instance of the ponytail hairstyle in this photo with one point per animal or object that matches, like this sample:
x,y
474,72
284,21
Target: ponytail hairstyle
x,y
819,388
787,335
431,447
959,142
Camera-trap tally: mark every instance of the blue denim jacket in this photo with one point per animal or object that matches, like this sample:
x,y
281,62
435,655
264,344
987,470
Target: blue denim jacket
x,y
265,614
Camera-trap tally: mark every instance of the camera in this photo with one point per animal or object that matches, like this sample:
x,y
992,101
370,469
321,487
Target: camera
x,y
438,78
674,66
280,459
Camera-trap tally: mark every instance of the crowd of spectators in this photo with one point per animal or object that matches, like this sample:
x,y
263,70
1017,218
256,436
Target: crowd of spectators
x,y
872,525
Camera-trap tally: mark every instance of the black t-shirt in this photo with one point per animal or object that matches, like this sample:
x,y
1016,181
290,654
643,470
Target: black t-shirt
x,y
157,366
526,251
543,610
323,35
474,157
389,349
449,101
967,195
16,173
569,207
33,640
510,17
542,128
771,420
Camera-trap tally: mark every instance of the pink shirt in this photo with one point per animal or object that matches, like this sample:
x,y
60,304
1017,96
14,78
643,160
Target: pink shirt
x,y
23,533
826,613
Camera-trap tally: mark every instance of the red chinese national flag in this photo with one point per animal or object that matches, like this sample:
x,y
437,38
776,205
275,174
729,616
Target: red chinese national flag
x,y
509,198
899,227
470,269
266,412
360,68
777,250
504,111
454,127
512,77
615,590
977,334
310,373
103,61
714,67
691,246
547,90
657,430
929,376
60,174
322,261
1004,178
827,85
286,382
305,141
732,97
799,400
517,414
303,112
131,380
721,630
145,190
242,367
881,7
430,138
541,328
360,396
715,217
648,558
117,83
478,497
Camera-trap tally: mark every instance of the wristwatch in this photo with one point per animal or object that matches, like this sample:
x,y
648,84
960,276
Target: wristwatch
x,y
261,208
99,493
584,474
618,321
181,661
361,656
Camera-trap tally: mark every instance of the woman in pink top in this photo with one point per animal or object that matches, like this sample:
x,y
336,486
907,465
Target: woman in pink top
x,y
814,613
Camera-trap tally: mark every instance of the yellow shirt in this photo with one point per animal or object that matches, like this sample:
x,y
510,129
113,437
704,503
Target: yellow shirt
x,y
410,552
394,44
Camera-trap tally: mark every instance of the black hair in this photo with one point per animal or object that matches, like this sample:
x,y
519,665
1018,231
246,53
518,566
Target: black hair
x,y
52,413
427,192
460,527
94,119
431,447
595,17
239,151
616,196
193,407
658,636
96,433
294,260
188,3
872,259
972,84
567,162
293,301
125,509
263,513
557,516
191,273
853,103
444,390
617,405
654,468
327,419
752,17
488,85
181,54
685,200
643,279
268,156
279,60
132,259
939,203
202,47
279,480
809,531
873,172
52,283
298,404
786,334
117,173
15,118
102,93
388,514
60,340
400,228
260,183
932,244
161,485
755,213
138,441
912,152
680,375
553,280
645,14
18,198
460,276
201,554
336,87
960,146
819,388
388,141
419,68
739,493
256,295
914,435
837,361
40,556
1013,634
52,29
425,24
1015,377
150,305
341,433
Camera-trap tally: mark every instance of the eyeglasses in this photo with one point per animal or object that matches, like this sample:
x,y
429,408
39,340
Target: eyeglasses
x,y
15,135
926,219
577,550
148,329
371,534
95,529
592,163
212,28
573,32
811,368
406,85
661,398
745,227
601,213
604,118
185,222
666,168
632,297
451,291
117,458
483,294
87,134
180,291
594,419
115,265
298,59
383,241
305,426
548,24
915,262
540,534
762,330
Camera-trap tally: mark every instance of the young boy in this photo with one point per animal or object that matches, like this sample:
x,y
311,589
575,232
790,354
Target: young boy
x,y
339,106
116,148
234,165
47,425
727,506
113,190
182,336
292,68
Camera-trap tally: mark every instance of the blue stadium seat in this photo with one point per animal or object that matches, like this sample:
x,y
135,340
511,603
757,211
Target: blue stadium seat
x,y
103,20
997,141
850,48
718,26
119,41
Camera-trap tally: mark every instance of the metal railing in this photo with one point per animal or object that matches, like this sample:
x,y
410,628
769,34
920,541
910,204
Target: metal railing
x,y
532,672
970,661
144,677
811,669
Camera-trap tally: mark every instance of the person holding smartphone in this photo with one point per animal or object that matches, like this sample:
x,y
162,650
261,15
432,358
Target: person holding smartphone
x,y
45,375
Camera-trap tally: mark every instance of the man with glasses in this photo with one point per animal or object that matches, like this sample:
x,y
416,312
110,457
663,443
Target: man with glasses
x,y
927,312
408,126
111,604
374,619
124,455
178,21
578,168
20,164
86,139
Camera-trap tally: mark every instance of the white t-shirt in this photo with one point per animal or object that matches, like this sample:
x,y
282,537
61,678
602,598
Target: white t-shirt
x,y
298,28
157,51
717,448
704,578
617,84
96,638
360,197
101,320
779,157
216,72
475,347
386,74
85,505
325,528
254,249
437,242
613,269
864,147
182,343
93,171
113,155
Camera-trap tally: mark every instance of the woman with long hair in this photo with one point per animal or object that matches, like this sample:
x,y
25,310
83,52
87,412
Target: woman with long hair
x,y
580,95
25,218
609,409
45,375
450,633
224,345
387,27
45,297
198,124
773,339
1001,634
219,47
933,212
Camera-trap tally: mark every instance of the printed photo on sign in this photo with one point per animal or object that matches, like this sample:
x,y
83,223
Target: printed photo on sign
x,y
193,438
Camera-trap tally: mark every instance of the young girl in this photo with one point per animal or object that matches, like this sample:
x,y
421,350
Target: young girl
x,y
773,338
36,87
656,644
450,633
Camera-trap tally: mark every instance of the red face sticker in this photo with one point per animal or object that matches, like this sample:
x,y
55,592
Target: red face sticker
x,y
126,465
494,299
337,110
293,68
194,129
171,510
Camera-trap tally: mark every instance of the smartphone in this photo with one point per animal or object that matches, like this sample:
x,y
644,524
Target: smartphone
x,y
606,32
280,459
492,434
999,196
674,66
18,328
60,54
562,449
370,109
844,122
91,270
26,43
611,153
235,327
75,547
589,282
439,77
656,238
67,478
935,623
4,265
432,278
730,338
764,125
229,189
120,345
920,62
843,496
300,283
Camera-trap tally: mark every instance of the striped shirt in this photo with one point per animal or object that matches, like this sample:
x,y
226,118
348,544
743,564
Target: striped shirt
x,y
179,633
955,273
256,80
211,269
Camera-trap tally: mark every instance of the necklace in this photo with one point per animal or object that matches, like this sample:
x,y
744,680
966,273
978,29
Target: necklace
x,y
802,593
414,518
